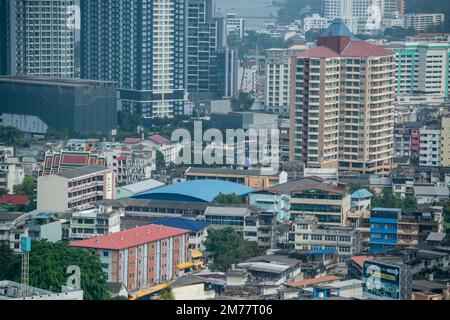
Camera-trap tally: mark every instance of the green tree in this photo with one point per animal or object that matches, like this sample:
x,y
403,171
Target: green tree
x,y
27,187
229,247
10,135
231,198
6,255
3,191
160,161
48,266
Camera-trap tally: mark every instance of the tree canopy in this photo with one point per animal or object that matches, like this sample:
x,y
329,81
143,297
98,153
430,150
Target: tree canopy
x,y
231,198
48,266
10,135
229,247
389,200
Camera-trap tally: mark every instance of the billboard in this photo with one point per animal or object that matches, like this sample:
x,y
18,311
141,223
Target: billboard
x,y
383,281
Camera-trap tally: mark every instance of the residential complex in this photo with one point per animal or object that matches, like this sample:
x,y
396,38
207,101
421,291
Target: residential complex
x,y
430,147
424,21
235,25
141,257
36,39
343,103
140,46
422,68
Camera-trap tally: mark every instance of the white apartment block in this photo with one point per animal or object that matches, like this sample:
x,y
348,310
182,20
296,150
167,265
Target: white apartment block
x,y
131,164
423,21
12,173
235,26
315,22
430,147
75,189
423,68
41,39
99,221
278,69
248,78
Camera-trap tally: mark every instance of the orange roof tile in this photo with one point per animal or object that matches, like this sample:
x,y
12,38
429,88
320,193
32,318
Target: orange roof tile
x,y
310,282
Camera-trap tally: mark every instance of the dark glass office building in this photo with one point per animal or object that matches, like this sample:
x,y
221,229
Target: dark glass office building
x,y
140,44
77,105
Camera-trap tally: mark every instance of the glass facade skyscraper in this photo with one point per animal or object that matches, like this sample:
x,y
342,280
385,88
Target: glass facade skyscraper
x,y
141,46
36,38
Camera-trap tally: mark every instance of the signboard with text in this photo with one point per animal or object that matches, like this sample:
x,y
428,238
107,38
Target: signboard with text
x,y
382,281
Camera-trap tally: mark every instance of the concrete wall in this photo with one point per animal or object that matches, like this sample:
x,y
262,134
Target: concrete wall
x,y
52,193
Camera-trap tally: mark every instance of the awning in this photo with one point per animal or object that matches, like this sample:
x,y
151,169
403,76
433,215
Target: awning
x,y
198,263
196,254
185,265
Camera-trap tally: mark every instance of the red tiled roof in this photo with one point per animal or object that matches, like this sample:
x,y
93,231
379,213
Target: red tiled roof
x,y
353,49
158,139
130,238
359,260
310,282
132,140
17,200
365,49
318,52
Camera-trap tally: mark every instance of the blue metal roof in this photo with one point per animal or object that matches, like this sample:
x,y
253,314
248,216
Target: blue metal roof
x,y
321,251
361,194
338,29
182,223
195,191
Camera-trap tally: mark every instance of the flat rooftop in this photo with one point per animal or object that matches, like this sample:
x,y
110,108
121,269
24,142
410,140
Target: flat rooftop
x,y
48,81
83,171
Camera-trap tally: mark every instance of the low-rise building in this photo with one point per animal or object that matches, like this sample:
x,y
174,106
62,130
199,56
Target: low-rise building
x,y
141,257
95,222
430,193
430,147
391,228
308,235
75,189
256,179
168,148
10,290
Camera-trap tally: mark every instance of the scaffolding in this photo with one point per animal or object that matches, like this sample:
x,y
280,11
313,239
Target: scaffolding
x,y
25,274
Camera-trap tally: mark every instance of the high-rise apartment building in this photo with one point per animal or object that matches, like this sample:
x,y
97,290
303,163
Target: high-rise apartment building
x,y
430,147
205,36
342,104
235,25
36,38
140,45
422,67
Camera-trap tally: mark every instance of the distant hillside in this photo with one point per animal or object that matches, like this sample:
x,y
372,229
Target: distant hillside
x,y
430,6
291,10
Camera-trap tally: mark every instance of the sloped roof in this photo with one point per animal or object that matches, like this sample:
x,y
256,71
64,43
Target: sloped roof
x,y
130,238
182,223
365,49
158,139
337,28
361,194
195,190
18,200
318,52
82,171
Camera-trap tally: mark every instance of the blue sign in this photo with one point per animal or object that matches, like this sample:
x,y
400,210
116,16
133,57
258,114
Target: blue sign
x,y
382,281
25,244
